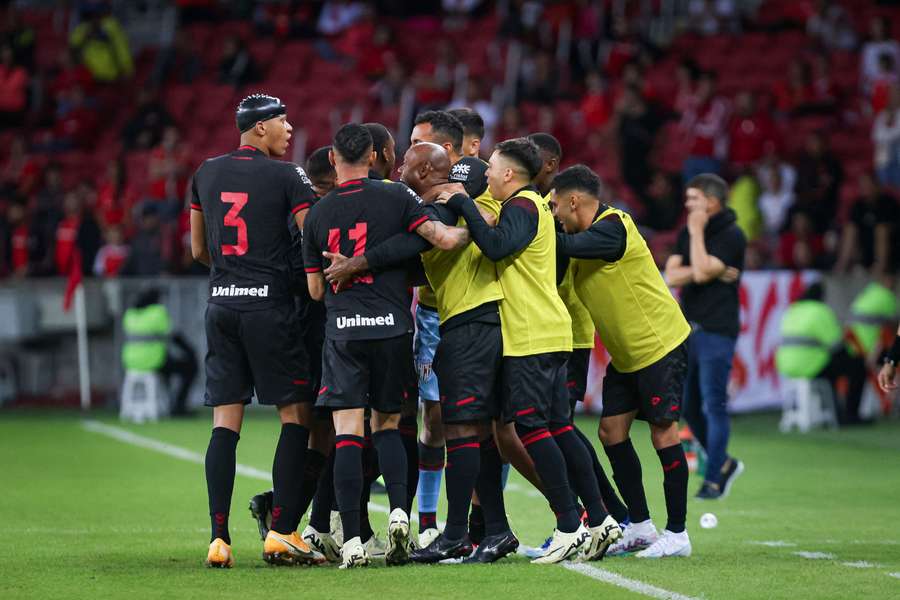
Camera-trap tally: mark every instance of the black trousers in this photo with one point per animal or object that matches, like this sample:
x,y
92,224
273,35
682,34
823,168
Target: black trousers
x,y
182,365
843,364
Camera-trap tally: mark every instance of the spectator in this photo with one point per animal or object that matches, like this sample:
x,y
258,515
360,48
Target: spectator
x,y
20,36
886,80
13,90
434,79
103,46
179,62
20,240
77,237
339,15
112,255
886,138
638,123
831,26
76,122
819,177
743,199
686,77
775,200
800,247
20,172
662,201
865,238
704,125
879,43
713,16
796,95
168,173
144,130
237,67
539,79
478,98
749,131
825,92
389,89
511,125
69,74
596,105
145,253
113,200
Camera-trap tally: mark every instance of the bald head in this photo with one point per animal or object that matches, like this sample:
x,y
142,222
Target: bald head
x,y
425,165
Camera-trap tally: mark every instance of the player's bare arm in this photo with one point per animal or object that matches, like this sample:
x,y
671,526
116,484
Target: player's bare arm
x,y
444,237
676,272
316,284
199,250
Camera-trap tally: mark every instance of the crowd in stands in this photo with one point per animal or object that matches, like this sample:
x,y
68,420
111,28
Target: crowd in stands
x,y
797,104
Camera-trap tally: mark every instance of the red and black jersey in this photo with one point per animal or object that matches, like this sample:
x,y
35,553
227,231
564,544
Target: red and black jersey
x,y
246,198
355,215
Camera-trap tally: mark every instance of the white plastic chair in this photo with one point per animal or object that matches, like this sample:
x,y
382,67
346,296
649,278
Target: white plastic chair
x,y
144,397
808,404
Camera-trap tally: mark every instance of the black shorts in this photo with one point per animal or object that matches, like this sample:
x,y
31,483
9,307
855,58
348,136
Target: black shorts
x,y
468,363
576,375
255,351
367,373
655,391
534,389
312,326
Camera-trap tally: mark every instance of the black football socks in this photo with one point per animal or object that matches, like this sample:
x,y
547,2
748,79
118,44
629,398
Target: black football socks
x,y
348,481
409,433
288,469
392,460
489,486
551,468
675,485
580,471
461,472
220,465
312,472
320,513
616,507
627,474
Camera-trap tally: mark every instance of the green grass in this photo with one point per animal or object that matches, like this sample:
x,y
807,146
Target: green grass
x,y
83,515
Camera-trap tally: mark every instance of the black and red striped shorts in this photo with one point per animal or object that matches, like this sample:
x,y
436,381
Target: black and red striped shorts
x,y
534,390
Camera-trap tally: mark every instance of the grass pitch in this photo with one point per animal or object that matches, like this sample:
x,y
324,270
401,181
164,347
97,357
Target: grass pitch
x,y
83,515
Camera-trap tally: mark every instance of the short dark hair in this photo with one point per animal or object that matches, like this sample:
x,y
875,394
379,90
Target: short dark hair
x,y
711,185
317,164
524,152
471,121
444,124
579,178
547,143
380,136
352,141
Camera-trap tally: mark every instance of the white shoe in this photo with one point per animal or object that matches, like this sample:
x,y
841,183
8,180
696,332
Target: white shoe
x,y
375,547
602,537
428,536
636,536
324,543
564,545
668,544
353,554
398,538
337,527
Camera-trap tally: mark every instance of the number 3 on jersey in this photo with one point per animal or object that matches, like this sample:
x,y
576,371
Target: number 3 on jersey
x,y
357,235
237,200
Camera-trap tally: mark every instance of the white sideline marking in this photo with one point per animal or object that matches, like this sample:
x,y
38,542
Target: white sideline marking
x,y
815,555
861,564
528,491
632,585
775,544
134,439
894,575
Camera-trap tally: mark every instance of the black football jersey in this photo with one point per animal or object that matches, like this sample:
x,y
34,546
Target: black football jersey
x,y
355,215
246,198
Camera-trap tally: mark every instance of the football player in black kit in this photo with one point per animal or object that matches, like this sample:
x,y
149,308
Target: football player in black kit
x,y
239,209
368,330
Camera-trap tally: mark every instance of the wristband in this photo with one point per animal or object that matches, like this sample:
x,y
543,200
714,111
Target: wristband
x,y
893,354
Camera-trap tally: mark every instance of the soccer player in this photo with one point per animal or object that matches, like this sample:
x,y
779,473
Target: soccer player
x,y
473,130
582,326
368,331
320,171
467,293
642,327
537,339
240,205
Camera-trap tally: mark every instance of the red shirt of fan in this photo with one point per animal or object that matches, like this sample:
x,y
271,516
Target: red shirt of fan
x,y
748,137
110,260
66,236
20,248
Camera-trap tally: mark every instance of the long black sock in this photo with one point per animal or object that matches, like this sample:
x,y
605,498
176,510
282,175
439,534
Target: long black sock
x,y
581,472
490,489
461,472
675,484
392,460
320,513
287,476
220,465
315,462
408,429
551,467
627,473
371,471
348,481
610,498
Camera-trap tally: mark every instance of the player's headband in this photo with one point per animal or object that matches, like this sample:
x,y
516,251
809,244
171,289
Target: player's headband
x,y
256,108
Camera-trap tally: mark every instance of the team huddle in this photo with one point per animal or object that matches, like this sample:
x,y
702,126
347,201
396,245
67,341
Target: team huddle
x,y
515,266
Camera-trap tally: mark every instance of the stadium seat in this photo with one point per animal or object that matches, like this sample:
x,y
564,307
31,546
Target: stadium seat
x,y
144,397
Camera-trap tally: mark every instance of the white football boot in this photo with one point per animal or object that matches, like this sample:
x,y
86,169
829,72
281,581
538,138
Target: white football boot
x,y
636,536
668,544
564,545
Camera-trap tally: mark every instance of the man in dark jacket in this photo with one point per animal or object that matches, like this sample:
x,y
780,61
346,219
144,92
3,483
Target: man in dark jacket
x,y
707,265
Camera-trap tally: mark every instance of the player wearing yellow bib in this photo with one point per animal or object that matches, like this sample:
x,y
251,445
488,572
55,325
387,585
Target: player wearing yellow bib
x,y
582,327
537,339
642,327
